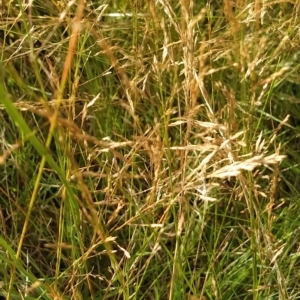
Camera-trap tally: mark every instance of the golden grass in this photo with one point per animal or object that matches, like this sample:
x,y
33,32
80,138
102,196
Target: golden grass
x,y
163,122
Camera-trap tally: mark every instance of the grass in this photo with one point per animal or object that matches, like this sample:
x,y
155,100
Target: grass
x,y
149,150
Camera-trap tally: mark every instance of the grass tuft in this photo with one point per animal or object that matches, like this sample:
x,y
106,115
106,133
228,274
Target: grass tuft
x,y
149,149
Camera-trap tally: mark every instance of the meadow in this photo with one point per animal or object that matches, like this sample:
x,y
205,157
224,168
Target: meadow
x,y
149,150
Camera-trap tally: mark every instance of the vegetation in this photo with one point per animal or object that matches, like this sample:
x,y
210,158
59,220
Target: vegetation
x,y
149,150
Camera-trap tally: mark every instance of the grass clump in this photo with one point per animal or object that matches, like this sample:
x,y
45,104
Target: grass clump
x,y
148,150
